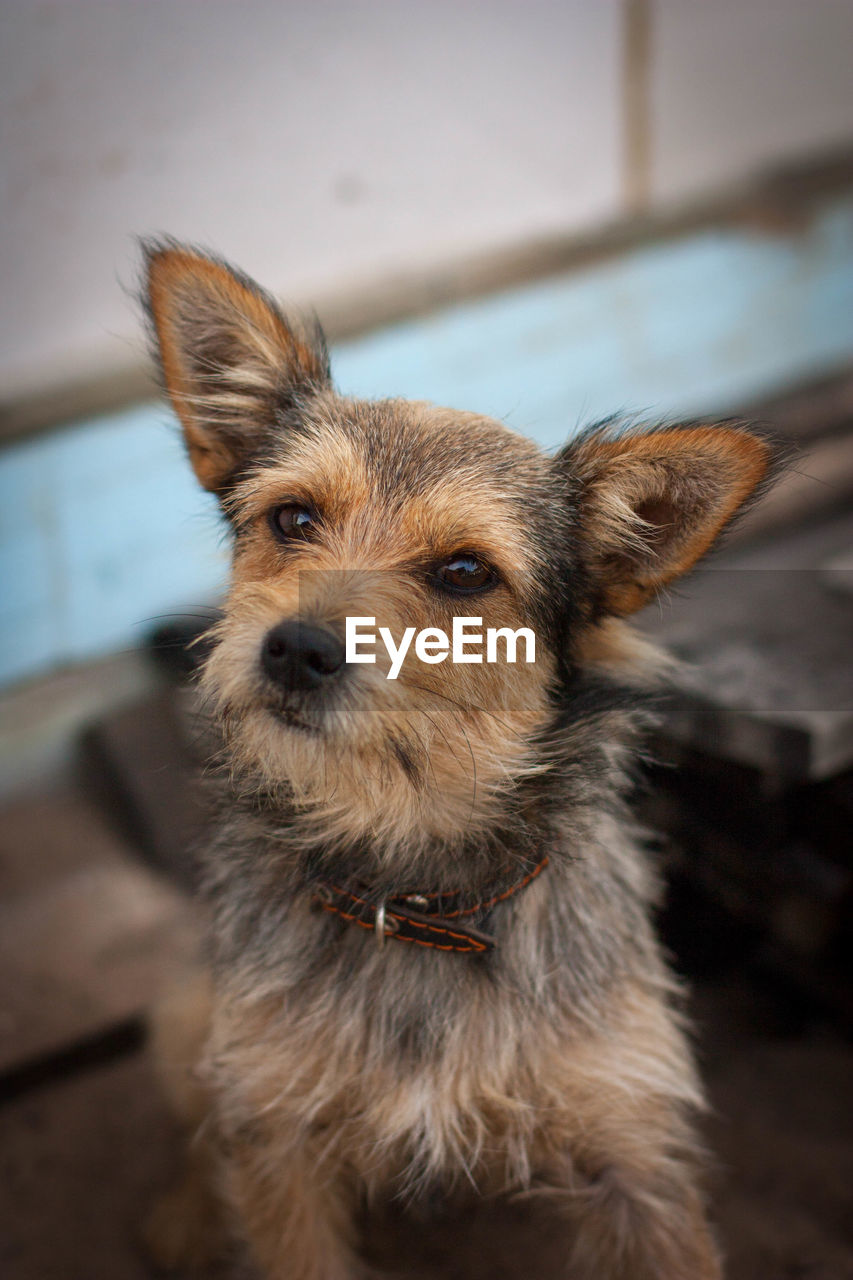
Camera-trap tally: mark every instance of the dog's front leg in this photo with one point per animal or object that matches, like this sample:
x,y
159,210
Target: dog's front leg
x,y
626,1228
298,1223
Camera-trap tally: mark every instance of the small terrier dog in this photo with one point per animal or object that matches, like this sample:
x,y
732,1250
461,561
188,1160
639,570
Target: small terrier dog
x,y
435,998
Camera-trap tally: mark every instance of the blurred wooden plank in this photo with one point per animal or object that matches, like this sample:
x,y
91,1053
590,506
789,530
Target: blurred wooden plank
x,y
782,1129
40,720
820,407
87,935
80,1163
145,758
818,481
768,679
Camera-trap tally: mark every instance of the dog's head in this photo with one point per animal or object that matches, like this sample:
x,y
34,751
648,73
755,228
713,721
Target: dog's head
x,y
413,516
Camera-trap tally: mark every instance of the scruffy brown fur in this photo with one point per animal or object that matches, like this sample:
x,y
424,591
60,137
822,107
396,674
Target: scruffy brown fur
x,y
328,1082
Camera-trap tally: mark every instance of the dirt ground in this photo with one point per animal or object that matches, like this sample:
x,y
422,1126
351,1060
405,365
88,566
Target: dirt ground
x,y
85,1140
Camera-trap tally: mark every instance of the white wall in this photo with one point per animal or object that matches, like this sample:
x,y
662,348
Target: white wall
x,y
315,142
737,85
323,143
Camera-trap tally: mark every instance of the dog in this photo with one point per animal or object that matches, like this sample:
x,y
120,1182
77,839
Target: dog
x,y
434,994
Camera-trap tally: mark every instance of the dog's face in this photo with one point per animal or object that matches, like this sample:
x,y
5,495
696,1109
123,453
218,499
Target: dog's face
x,y
412,516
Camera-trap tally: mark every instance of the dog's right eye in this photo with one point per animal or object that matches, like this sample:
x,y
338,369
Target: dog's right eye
x,y
293,521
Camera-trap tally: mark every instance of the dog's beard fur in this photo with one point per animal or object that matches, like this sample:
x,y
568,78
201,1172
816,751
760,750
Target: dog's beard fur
x,y
397,762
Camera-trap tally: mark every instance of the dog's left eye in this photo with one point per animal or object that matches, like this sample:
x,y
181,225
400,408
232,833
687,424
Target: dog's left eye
x,y
465,572
292,521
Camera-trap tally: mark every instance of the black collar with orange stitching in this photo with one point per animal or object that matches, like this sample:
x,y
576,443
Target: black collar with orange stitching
x,y
424,919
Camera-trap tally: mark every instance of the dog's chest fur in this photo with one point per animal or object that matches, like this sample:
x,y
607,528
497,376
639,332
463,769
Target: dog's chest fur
x,y
425,1069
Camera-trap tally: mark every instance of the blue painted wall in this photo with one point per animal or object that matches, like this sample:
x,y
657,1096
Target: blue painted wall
x,y
102,528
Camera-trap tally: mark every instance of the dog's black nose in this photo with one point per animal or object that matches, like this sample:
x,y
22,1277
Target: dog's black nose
x,y
297,655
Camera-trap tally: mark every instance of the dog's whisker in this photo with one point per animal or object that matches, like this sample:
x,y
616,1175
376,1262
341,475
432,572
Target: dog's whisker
x,y
464,707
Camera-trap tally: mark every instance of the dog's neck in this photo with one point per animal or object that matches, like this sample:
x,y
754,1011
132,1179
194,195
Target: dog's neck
x,y
264,863
467,859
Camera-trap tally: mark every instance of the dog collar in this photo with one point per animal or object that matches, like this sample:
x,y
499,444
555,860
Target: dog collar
x,y
426,919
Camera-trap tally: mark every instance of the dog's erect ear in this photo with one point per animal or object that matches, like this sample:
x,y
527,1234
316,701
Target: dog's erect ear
x,y
231,362
651,503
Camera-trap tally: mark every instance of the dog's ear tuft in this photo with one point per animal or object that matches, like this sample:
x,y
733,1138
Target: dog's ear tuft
x,y
231,362
650,503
